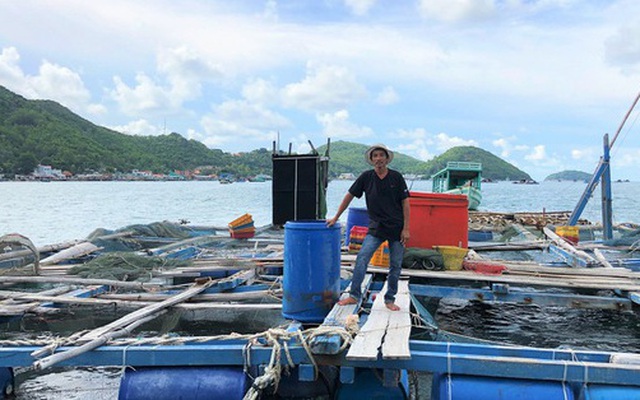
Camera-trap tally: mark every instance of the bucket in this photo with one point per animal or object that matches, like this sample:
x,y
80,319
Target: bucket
x,y
356,217
311,274
464,387
452,256
168,383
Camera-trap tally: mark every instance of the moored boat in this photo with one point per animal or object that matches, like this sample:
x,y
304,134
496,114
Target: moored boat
x,y
460,177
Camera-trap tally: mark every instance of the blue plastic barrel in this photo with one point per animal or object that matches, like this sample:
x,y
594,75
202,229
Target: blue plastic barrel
x,y
311,274
187,383
356,217
609,392
464,387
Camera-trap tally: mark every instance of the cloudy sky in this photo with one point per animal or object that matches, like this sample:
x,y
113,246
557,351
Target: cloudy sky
x,y
536,82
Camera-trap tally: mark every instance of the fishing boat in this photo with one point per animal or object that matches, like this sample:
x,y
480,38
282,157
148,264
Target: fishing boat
x,y
460,177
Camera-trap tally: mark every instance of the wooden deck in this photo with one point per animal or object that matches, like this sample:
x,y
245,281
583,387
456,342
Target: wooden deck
x,y
386,332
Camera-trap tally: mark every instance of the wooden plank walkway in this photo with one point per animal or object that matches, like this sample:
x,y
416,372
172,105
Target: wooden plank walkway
x,y
331,343
385,330
583,278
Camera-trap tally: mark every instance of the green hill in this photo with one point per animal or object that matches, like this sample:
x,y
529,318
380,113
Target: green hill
x,y
44,132
348,157
493,167
569,175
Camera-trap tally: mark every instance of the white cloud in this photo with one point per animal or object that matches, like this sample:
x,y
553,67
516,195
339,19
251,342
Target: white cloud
x,y
625,160
11,74
270,10
260,91
387,96
325,88
424,146
238,120
538,154
584,154
143,98
61,84
418,133
337,125
418,148
456,10
623,48
141,127
503,145
445,142
53,82
360,7
185,69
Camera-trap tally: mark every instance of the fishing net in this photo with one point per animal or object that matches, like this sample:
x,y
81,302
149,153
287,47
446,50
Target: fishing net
x,y
125,267
511,233
133,241
630,238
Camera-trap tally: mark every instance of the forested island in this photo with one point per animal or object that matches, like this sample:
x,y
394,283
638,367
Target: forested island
x,y
569,175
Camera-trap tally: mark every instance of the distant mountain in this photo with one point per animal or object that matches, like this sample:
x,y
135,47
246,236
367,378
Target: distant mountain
x,y
349,157
493,167
44,132
569,175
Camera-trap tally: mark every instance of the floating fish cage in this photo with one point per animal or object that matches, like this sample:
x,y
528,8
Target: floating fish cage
x,y
258,317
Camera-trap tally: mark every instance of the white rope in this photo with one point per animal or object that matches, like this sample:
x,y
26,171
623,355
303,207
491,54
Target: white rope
x,y
124,359
272,372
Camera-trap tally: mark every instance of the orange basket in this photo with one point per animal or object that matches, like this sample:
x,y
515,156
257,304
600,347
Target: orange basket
x,y
241,220
381,256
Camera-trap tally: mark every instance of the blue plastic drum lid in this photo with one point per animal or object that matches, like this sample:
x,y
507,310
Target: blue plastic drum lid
x,y
356,217
609,392
187,383
311,273
464,387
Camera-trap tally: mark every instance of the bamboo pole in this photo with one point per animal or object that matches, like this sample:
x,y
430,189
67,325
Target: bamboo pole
x,y
95,337
216,297
560,242
97,342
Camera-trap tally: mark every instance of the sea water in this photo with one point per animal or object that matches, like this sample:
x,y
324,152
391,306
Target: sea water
x,y
54,212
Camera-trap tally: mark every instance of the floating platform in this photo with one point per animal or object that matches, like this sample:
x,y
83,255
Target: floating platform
x,y
357,350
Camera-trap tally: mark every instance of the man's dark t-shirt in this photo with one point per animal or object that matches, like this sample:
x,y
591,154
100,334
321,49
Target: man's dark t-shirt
x,y
384,202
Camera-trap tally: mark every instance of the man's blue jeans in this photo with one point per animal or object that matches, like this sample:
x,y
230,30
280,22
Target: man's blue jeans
x,y
369,247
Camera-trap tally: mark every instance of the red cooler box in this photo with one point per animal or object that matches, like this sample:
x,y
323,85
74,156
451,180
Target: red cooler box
x,y
438,219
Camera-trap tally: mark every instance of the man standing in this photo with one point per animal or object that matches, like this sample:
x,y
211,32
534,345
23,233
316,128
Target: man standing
x,y
387,199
